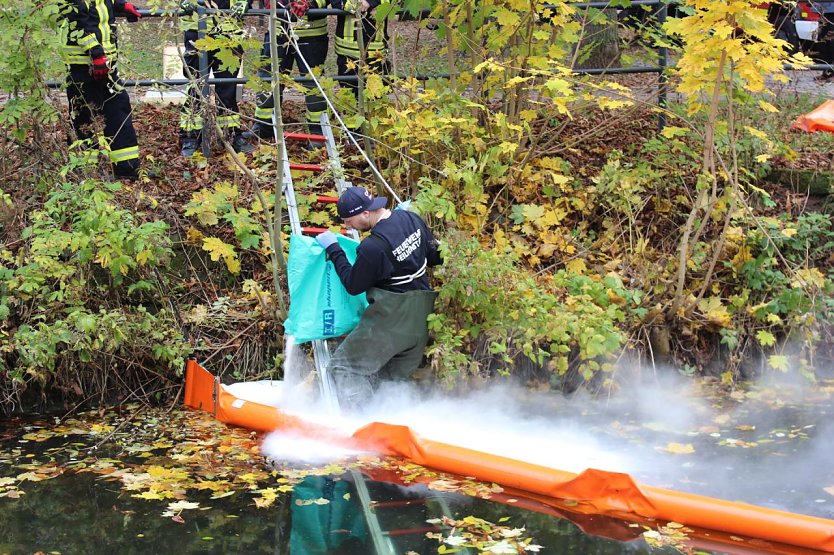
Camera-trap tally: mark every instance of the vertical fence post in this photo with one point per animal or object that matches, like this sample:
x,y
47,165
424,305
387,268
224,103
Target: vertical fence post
x,y
663,58
204,73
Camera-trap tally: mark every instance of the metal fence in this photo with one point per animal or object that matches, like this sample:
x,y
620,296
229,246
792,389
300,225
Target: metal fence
x,y
660,68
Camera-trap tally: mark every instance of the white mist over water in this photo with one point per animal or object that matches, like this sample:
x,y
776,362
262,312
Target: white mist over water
x,y
630,432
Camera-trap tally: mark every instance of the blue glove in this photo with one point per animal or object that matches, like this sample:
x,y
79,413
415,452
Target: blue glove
x,y
326,238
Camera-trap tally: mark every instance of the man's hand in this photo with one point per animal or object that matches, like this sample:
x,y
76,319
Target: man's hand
x,y
100,69
326,239
299,8
133,14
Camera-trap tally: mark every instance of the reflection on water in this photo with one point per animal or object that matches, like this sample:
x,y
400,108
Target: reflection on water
x,y
181,483
323,515
155,481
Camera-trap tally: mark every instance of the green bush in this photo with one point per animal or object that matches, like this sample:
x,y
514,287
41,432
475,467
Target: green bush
x,y
490,309
85,288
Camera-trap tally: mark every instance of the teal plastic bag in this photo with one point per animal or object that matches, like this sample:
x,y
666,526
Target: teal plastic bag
x,y
320,307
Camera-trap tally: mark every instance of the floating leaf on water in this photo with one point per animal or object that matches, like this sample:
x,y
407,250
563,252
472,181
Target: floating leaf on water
x,y
679,448
183,505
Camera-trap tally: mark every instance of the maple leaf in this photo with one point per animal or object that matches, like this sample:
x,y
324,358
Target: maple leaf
x,y
152,494
218,249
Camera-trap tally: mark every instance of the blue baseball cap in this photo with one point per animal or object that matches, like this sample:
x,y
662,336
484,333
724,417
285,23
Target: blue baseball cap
x,y
356,200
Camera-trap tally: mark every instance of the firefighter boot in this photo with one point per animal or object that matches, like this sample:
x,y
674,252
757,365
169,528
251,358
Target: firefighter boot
x,y
260,131
190,145
240,144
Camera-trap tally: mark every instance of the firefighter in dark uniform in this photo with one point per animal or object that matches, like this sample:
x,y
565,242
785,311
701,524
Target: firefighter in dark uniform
x,y
91,53
311,34
374,37
228,117
390,268
825,38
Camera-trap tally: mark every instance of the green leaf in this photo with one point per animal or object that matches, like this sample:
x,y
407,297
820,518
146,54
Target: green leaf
x,y
778,362
765,338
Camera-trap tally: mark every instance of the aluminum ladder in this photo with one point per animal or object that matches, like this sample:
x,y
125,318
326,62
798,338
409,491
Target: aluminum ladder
x,y
321,351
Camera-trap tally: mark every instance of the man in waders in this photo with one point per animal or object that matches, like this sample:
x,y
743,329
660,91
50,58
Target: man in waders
x,y
390,268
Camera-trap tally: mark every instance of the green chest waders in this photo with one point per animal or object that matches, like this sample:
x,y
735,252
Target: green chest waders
x,y
387,344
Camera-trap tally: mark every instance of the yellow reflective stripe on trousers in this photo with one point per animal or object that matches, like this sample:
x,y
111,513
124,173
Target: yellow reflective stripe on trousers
x,y
191,122
314,117
350,48
314,28
124,154
263,113
229,121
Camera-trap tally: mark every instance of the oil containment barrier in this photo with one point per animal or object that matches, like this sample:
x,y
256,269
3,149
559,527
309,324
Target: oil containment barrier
x,y
589,492
820,118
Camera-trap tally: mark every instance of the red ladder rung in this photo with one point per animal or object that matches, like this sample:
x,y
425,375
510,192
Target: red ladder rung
x,y
307,167
305,137
317,230
327,199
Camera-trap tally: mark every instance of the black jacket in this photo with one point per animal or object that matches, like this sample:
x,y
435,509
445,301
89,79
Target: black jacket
x,y
394,257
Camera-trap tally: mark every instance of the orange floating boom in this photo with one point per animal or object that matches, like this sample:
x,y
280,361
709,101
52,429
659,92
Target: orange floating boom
x,y
609,493
819,119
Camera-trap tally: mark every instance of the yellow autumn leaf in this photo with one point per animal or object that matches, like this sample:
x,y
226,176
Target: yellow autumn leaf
x,y
714,311
768,107
758,133
679,448
152,495
670,131
576,266
217,249
193,236
374,86
806,277
517,80
263,502
249,477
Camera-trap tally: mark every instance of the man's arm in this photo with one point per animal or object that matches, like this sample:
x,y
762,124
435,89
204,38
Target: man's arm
x,y
83,27
433,257
371,267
